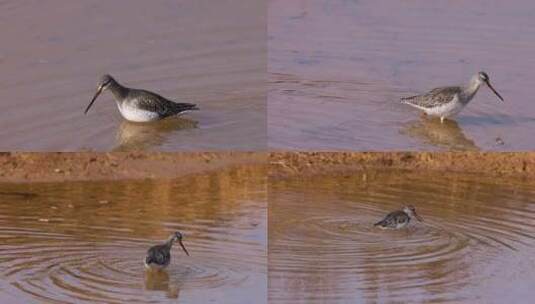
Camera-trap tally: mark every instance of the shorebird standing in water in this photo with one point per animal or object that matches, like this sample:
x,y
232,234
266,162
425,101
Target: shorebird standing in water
x,y
140,105
398,219
448,101
159,256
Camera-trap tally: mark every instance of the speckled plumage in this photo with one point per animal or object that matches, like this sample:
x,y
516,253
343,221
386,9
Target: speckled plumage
x,y
152,102
140,105
159,256
394,220
446,102
398,219
433,98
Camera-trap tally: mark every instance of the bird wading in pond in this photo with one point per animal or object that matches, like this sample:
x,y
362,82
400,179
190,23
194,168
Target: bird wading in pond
x,y
398,219
159,256
446,102
140,105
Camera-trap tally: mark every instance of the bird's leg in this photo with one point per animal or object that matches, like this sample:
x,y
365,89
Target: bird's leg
x,y
441,119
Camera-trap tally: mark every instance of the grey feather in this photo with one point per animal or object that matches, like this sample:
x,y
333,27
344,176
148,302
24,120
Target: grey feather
x,y
159,255
433,98
152,102
394,219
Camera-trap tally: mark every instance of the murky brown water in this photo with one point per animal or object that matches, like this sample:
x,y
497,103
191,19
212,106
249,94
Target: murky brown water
x,y
212,53
476,245
338,68
85,242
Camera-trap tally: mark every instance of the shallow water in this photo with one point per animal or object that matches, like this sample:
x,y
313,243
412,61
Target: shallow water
x,y
338,69
476,244
212,53
85,242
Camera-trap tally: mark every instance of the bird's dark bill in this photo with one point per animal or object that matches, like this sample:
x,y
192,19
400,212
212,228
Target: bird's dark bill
x,y
183,247
495,92
93,100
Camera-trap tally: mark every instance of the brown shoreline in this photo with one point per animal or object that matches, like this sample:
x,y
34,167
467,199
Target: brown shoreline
x,y
54,167
289,164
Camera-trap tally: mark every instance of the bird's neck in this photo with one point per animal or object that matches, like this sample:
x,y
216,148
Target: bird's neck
x,y
169,243
118,91
471,89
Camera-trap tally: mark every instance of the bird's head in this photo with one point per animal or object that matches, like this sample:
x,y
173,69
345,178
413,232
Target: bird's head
x,y
484,78
177,237
411,211
103,84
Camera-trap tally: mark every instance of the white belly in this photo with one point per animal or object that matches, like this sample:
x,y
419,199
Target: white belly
x,y
134,114
449,109
401,225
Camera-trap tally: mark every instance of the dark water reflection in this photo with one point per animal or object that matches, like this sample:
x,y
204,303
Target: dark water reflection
x,y
85,241
149,136
432,132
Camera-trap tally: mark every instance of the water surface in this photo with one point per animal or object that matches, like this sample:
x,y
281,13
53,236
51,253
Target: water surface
x,y
338,69
85,242
476,244
205,52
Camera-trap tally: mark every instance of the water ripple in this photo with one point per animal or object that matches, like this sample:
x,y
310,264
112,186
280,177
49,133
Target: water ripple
x,y
332,251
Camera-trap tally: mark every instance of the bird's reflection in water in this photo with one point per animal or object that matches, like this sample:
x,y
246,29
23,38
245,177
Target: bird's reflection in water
x,y
160,281
447,135
143,136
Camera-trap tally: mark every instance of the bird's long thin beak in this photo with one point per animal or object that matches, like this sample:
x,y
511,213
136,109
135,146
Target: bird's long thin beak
x,y
495,92
183,247
99,90
418,217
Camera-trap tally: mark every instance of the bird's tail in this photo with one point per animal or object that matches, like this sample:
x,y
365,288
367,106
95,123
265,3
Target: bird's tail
x,y
181,108
380,223
186,107
407,99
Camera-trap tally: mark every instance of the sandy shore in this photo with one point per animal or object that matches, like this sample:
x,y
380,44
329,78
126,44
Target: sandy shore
x,y
53,167
313,163
44,167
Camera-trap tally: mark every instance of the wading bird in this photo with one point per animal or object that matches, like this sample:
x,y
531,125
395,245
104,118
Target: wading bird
x,y
140,105
159,256
398,219
449,101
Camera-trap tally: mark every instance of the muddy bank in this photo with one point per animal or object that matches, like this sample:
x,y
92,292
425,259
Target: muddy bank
x,y
37,167
53,167
289,164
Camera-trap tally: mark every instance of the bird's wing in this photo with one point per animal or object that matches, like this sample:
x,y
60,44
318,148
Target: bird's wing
x,y
157,255
155,103
389,219
433,98
149,101
386,219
